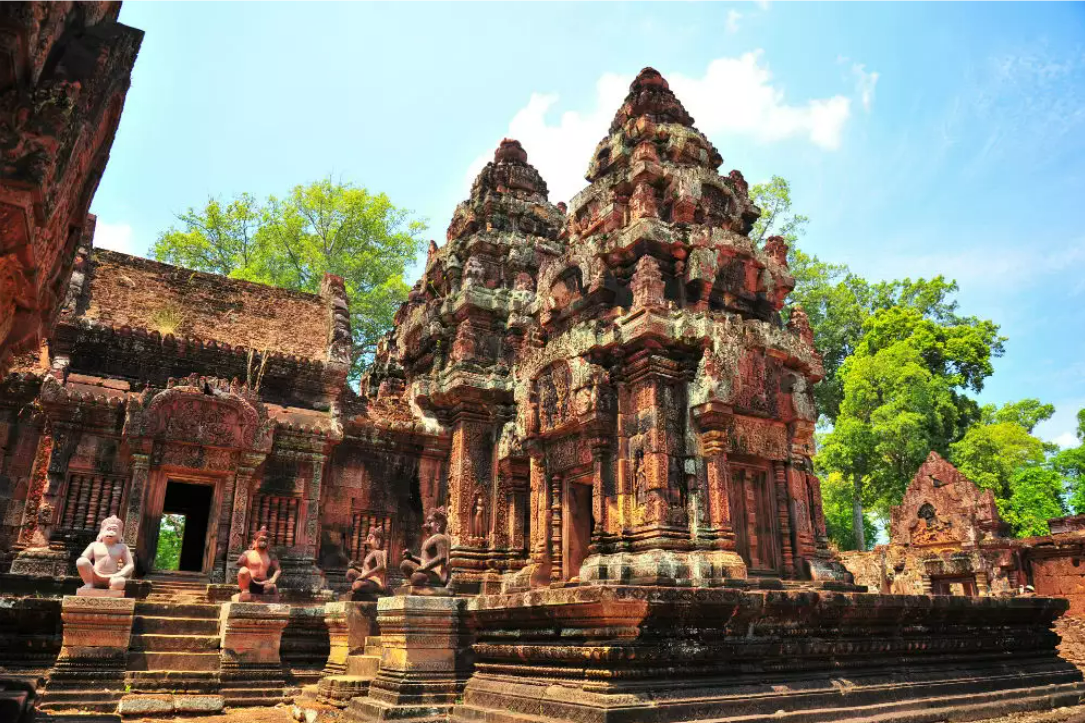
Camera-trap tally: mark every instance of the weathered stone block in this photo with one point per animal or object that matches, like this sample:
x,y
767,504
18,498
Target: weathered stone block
x,y
252,632
96,627
425,660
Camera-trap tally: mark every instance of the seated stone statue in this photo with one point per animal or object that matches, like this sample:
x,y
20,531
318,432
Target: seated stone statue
x,y
432,570
371,578
259,570
107,562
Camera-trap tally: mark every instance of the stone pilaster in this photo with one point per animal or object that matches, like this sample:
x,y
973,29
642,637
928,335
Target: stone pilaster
x,y
240,518
137,488
425,660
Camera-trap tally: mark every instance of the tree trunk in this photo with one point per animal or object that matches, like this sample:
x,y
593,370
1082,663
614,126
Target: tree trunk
x,y
857,515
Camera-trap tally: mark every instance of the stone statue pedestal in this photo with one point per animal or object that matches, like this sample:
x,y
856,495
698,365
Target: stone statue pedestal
x,y
251,597
251,634
425,660
354,658
89,673
422,591
98,592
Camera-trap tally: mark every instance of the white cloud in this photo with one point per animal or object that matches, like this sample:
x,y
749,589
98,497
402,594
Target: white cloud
x,y
733,16
113,236
763,4
996,269
1066,440
864,84
735,96
1061,428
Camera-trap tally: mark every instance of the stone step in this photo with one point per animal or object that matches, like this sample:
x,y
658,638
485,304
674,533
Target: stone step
x,y
180,681
176,643
148,625
245,698
143,660
164,609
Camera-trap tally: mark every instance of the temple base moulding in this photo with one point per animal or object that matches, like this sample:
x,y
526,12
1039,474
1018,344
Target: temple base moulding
x,y
627,654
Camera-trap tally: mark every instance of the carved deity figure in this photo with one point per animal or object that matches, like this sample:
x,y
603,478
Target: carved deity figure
x,y
107,562
431,570
259,570
478,521
371,577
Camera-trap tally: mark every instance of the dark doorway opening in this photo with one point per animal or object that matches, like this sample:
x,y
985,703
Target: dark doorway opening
x,y
194,502
578,526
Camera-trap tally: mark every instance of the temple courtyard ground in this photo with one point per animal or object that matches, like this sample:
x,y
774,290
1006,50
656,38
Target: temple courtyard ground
x,y
286,714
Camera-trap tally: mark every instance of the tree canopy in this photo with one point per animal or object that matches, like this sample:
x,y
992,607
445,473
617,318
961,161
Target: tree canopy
x,y
902,366
291,242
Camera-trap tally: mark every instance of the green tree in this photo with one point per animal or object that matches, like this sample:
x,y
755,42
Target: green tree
x,y
777,218
1001,454
1070,463
894,412
171,533
291,242
839,302
836,497
220,238
1036,498
1027,413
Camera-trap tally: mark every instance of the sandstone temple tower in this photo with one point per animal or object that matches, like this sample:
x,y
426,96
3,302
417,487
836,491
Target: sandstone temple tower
x,y
623,401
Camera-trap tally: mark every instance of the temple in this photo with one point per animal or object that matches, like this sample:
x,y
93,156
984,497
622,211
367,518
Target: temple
x,y
602,414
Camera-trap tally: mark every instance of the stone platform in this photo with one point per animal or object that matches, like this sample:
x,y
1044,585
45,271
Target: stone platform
x,y
425,660
626,654
355,650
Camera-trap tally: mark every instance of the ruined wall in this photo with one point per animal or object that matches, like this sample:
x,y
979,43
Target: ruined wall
x,y
65,68
1062,576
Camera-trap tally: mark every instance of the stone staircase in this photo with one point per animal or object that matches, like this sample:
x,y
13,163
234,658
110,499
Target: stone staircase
x,y
175,646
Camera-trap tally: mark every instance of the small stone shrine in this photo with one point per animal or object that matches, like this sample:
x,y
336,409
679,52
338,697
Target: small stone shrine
x,y
591,421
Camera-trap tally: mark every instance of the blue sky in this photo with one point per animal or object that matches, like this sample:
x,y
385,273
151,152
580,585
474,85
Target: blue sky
x,y
920,138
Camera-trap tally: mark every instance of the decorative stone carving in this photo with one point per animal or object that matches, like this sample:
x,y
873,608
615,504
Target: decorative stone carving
x,y
429,574
370,579
258,571
107,563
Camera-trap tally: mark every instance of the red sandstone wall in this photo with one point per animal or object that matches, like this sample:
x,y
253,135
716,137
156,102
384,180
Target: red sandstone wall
x,y
363,480
1061,577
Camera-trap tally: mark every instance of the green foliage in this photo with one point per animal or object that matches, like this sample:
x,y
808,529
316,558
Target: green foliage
x,y
777,218
894,412
991,454
220,238
292,242
171,533
836,499
1070,463
1037,497
1027,413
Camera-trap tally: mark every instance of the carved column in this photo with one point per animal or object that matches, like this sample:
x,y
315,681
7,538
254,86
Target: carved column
x,y
600,501
718,490
540,510
39,481
141,466
311,544
779,472
239,519
555,528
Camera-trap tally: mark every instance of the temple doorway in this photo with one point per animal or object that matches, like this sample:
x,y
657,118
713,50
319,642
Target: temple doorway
x,y
576,537
193,503
954,585
754,517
